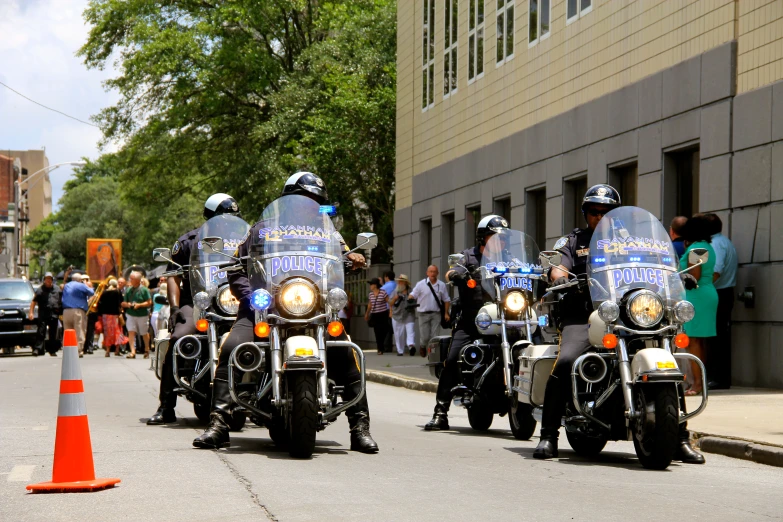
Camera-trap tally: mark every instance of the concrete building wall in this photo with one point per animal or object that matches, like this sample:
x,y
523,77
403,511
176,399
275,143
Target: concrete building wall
x,y
40,188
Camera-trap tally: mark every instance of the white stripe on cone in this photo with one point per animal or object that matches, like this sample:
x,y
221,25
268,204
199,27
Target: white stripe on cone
x,y
71,405
71,370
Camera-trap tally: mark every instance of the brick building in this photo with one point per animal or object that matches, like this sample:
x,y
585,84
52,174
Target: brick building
x,y
517,106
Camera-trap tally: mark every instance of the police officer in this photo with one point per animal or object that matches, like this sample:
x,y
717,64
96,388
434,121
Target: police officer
x,y
181,305
340,362
576,308
465,331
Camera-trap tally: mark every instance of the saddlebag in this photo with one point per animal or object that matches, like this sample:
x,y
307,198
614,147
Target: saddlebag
x,y
535,365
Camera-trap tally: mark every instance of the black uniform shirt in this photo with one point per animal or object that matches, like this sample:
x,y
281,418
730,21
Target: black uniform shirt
x,y
49,301
575,248
471,299
181,254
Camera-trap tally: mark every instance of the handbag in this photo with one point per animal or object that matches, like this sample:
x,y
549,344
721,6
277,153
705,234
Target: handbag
x,y
443,322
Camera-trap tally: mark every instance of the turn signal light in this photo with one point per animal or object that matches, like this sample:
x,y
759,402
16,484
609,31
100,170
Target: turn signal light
x,y
335,328
202,325
471,283
610,341
261,330
681,340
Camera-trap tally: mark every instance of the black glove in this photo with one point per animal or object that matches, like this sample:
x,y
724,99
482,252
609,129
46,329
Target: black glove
x,y
560,281
689,281
174,317
458,278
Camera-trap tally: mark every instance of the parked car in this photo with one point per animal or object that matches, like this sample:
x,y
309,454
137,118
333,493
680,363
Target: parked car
x,y
15,328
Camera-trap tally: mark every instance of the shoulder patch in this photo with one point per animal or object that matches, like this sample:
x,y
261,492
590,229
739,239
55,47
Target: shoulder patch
x,y
244,238
177,248
563,241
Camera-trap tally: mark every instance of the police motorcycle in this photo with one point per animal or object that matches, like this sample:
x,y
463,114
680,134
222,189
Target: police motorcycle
x,y
296,267
214,311
509,276
627,387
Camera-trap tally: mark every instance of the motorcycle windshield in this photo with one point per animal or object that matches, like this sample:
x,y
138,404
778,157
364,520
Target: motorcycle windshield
x,y
205,265
509,258
296,239
630,250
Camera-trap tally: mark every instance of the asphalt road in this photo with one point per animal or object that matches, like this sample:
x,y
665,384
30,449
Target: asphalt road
x,y
454,475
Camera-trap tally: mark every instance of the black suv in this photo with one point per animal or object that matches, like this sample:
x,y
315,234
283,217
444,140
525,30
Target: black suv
x,y
15,328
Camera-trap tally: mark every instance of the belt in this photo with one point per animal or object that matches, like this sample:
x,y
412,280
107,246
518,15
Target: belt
x,y
437,312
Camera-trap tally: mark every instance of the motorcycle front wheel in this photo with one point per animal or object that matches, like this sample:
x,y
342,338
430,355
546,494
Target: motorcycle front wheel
x,y
480,419
656,432
520,419
202,411
304,414
585,446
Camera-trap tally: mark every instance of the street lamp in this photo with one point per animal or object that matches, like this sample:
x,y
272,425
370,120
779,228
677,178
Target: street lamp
x,y
20,196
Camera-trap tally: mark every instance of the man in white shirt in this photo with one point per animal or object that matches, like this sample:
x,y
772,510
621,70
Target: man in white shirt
x,y
428,311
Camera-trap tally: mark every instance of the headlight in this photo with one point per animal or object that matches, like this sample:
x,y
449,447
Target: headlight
x,y
645,308
297,297
337,299
260,300
483,321
684,311
227,302
515,302
201,300
608,311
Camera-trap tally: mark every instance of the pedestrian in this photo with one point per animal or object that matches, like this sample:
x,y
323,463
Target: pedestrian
x,y
93,318
431,294
48,297
109,309
377,314
697,234
389,284
159,300
725,279
403,316
136,305
75,296
675,232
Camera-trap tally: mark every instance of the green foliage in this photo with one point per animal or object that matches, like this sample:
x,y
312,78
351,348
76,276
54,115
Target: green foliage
x,y
234,97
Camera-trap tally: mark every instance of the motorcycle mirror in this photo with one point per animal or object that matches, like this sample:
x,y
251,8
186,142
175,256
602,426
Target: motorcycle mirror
x,y
213,244
550,258
366,240
456,259
161,255
698,256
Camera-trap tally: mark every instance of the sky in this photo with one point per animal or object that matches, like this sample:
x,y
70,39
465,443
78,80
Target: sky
x,y
38,44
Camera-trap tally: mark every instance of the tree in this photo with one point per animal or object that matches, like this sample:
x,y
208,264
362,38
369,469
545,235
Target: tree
x,y
235,96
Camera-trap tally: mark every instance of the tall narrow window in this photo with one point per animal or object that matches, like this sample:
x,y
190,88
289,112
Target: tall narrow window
x,y
475,40
505,31
450,48
428,55
538,18
577,8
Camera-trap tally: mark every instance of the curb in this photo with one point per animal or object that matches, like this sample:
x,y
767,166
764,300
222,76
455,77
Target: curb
x,y
393,379
735,448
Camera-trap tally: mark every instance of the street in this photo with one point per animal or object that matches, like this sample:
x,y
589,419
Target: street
x,y
454,475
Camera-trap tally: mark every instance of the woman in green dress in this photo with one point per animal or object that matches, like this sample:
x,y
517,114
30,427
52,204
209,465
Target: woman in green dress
x,y
704,297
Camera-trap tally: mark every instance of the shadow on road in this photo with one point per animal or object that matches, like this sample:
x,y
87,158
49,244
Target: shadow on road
x,y
611,459
268,449
465,431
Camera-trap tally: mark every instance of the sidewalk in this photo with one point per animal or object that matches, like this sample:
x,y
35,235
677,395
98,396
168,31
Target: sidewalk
x,y
735,422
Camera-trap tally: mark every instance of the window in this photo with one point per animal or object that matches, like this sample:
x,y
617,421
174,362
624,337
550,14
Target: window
x,y
625,179
577,8
472,219
446,241
535,215
425,245
574,193
428,56
475,40
505,31
680,184
538,18
502,207
450,48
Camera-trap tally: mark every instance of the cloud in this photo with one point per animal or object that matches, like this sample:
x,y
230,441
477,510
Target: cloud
x,y
37,53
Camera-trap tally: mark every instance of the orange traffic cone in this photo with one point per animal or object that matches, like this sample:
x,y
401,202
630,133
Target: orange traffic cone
x,y
73,467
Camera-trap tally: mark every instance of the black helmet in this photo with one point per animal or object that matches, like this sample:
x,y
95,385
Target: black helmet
x,y
306,184
491,224
601,195
220,204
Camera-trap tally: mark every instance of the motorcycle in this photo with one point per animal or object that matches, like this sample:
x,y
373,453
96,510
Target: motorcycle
x,y
214,311
509,277
628,386
296,268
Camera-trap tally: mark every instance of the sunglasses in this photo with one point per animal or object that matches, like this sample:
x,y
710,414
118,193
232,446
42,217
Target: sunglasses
x,y
595,212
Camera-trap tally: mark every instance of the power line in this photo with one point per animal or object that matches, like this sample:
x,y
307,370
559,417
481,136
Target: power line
x,y
49,108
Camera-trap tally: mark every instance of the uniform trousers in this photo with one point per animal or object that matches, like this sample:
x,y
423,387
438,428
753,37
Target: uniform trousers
x,y
464,333
184,326
404,334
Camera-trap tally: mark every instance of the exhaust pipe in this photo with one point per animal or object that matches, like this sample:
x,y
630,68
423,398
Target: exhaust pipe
x,y
593,368
188,347
248,357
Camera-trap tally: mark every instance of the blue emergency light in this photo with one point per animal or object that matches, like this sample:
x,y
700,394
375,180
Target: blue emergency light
x,y
260,300
330,210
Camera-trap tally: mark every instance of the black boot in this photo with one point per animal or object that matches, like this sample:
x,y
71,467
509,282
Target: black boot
x,y
359,420
440,419
164,415
550,421
216,434
685,452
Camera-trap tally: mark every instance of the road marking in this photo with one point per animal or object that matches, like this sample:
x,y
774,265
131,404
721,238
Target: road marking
x,y
40,428
21,474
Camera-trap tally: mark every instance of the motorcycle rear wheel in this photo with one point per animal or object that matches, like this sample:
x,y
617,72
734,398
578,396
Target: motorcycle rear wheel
x,y
520,419
480,418
237,422
585,446
202,411
304,414
656,433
